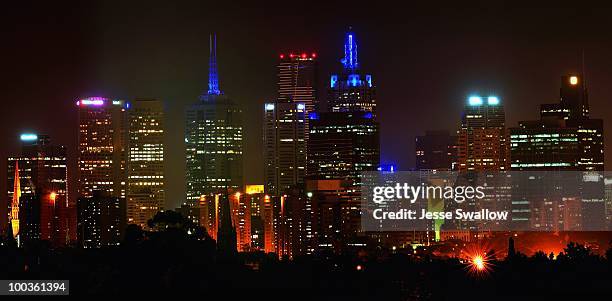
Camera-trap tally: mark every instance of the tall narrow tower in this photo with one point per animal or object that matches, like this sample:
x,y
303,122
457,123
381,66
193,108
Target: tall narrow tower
x,y
213,74
213,139
15,202
352,89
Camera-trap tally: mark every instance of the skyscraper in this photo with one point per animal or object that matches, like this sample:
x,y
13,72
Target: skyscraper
x,y
482,140
352,89
565,138
146,161
297,79
101,220
284,146
37,180
343,145
103,134
213,139
345,141
286,122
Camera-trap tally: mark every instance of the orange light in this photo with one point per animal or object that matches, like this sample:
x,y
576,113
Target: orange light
x,y
53,196
574,80
478,262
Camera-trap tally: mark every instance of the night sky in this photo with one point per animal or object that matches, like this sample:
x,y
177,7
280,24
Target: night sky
x,y
425,60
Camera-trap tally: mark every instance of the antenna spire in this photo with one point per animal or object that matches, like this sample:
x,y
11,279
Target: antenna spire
x,y
350,60
213,75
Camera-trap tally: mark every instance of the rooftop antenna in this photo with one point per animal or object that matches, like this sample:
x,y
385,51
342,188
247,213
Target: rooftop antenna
x,y
350,60
213,75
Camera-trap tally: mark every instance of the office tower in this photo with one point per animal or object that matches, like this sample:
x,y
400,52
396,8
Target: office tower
x,y
295,235
565,138
352,89
240,205
284,146
145,161
213,139
335,217
482,139
101,220
103,133
270,229
436,150
343,145
38,178
546,144
297,80
573,107
255,198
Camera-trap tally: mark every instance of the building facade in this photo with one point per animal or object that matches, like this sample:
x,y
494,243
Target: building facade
x,y
284,146
214,141
146,193
343,145
38,189
101,220
482,139
103,142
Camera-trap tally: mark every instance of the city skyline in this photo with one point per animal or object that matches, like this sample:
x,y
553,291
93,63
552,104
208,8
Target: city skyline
x,y
395,148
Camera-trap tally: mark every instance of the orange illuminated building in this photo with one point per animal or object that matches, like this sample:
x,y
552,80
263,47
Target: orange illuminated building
x,y
483,143
240,206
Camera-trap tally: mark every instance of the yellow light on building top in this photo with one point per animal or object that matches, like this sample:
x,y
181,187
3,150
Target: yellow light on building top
x,y
254,189
574,80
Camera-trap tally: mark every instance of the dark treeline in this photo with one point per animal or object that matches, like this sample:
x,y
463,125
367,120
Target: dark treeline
x,y
178,258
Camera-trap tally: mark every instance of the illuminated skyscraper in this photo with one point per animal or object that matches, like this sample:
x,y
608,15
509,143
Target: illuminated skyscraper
x,y
103,134
297,79
214,141
240,205
546,144
37,179
482,140
284,145
565,138
146,161
352,89
343,145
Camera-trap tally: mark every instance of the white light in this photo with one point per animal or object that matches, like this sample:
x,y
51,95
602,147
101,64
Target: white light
x,y
29,137
301,106
475,100
493,100
269,107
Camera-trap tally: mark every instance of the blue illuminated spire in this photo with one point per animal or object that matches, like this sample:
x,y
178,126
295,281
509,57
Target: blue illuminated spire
x,y
350,60
213,75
